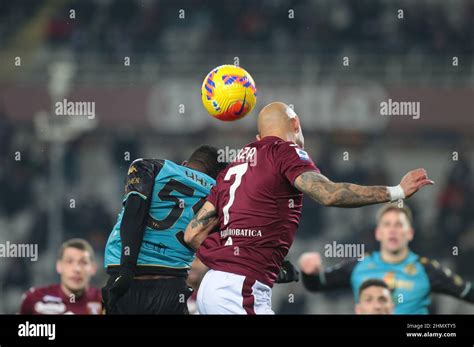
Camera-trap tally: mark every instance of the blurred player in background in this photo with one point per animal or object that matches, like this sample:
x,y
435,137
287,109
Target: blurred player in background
x,y
411,277
257,203
374,298
145,255
73,295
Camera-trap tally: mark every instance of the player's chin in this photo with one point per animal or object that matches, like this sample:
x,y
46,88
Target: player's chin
x,y
76,286
394,246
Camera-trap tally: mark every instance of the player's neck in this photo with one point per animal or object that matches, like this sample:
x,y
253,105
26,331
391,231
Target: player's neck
x,y
394,257
195,166
69,293
283,136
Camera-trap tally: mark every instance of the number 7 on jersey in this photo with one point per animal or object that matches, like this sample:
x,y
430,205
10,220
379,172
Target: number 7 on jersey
x,y
238,171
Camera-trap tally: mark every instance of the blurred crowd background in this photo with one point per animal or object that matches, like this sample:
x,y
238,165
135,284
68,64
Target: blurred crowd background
x,y
142,63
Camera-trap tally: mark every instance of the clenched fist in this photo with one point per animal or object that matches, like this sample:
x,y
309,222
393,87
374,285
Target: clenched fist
x,y
310,263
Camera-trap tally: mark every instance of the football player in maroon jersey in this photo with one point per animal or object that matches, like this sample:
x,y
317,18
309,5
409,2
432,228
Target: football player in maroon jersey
x,y
256,205
73,295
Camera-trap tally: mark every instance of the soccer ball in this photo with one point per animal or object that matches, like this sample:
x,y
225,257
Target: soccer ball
x,y
228,93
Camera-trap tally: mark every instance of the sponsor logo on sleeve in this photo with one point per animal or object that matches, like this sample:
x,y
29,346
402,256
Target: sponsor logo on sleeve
x,y
302,154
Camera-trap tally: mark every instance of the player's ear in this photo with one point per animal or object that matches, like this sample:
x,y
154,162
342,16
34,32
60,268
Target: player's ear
x,y
411,234
392,307
258,137
357,309
59,268
378,234
295,122
93,268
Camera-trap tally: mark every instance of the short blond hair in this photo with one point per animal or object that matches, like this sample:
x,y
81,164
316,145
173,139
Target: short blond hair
x,y
395,207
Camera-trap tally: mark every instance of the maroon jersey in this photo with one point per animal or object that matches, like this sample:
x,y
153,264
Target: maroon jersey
x,y
258,209
52,300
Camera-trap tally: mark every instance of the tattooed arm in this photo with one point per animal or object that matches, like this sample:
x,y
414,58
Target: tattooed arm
x,y
328,193
200,226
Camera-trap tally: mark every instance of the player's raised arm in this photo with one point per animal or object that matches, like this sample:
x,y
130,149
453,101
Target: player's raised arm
x,y
200,226
329,193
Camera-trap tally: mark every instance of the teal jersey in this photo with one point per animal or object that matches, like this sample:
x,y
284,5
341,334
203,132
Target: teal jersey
x,y
408,279
412,280
175,193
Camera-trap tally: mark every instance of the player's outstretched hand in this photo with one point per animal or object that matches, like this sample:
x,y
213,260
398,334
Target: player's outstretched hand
x,y
413,181
288,273
310,263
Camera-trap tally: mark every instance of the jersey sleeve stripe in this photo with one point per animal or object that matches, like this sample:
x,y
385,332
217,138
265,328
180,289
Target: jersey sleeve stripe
x,y
322,277
466,290
134,192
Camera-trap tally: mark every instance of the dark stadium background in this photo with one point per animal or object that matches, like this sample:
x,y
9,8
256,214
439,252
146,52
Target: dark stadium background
x,y
151,108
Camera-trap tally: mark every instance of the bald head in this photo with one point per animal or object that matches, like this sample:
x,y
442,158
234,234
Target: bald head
x,y
278,119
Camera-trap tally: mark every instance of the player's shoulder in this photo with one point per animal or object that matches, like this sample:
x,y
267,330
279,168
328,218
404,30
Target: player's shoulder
x,y
429,262
364,260
94,294
434,268
281,148
144,162
368,256
438,272
370,259
360,265
146,165
38,292
288,148
30,293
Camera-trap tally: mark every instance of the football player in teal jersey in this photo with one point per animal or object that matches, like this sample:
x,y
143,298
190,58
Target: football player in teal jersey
x,y
412,278
146,256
